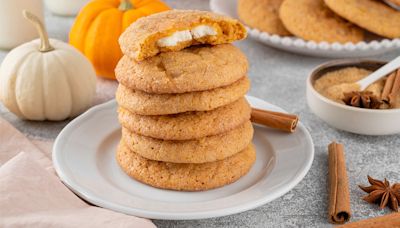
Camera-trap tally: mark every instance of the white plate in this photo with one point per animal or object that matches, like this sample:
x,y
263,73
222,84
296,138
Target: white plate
x,y
83,156
297,45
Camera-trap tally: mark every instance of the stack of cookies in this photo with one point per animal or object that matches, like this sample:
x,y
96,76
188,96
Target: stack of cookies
x,y
185,122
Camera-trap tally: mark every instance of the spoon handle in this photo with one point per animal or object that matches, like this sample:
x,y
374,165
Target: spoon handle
x,y
378,74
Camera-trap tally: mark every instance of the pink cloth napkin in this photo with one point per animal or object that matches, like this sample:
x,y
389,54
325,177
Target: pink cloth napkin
x,y
33,196
12,142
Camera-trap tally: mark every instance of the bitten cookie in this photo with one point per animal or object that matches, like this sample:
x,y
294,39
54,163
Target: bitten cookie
x,y
185,177
205,67
206,149
374,16
313,20
262,15
187,125
175,30
144,103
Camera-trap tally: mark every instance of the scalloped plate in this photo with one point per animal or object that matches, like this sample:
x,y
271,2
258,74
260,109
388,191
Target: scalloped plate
x,y
84,158
300,46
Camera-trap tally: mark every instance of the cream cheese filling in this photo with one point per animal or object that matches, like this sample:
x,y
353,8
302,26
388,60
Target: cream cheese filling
x,y
175,38
202,31
186,35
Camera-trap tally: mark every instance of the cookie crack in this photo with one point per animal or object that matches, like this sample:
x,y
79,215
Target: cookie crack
x,y
161,67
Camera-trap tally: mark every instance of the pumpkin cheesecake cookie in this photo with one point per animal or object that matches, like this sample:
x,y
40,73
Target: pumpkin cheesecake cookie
x,y
313,20
187,125
374,16
192,69
144,103
175,30
262,15
206,149
185,177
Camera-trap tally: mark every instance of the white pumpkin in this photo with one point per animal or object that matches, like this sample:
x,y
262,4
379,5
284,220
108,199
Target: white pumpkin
x,y
53,82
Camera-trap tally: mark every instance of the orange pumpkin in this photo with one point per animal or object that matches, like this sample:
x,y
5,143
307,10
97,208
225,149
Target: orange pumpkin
x,y
100,23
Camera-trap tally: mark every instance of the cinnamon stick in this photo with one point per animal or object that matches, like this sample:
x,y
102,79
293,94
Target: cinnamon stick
x,y
395,89
339,196
388,86
391,88
277,120
386,221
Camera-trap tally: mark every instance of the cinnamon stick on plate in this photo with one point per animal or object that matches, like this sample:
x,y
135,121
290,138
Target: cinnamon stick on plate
x,y
391,88
386,221
339,196
277,120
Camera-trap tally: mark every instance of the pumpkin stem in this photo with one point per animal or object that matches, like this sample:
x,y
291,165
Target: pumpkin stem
x,y
125,5
44,38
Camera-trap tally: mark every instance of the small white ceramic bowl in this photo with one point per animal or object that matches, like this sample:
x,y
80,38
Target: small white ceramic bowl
x,y
347,118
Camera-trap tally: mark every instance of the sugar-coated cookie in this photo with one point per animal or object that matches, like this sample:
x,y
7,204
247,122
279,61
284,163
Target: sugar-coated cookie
x,y
206,149
144,103
262,15
313,20
193,69
185,177
187,125
175,30
374,16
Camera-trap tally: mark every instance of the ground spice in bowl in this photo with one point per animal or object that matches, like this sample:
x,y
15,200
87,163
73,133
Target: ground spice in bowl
x,y
339,86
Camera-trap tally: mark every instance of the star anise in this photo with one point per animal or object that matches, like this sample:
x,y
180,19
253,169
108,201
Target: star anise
x,y
382,191
363,99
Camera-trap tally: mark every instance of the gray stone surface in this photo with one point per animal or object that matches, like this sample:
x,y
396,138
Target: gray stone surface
x,y
277,77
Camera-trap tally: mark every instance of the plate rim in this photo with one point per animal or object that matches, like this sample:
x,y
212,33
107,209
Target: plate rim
x,y
81,192
313,48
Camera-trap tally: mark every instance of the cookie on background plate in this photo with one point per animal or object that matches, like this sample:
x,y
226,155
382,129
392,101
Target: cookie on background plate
x,y
372,15
206,149
185,177
262,15
144,103
187,125
206,67
175,30
313,20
